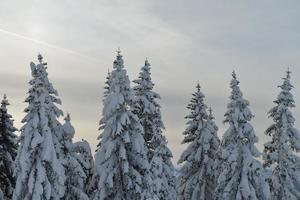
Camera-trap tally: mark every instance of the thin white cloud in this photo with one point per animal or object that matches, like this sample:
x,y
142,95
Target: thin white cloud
x,y
46,44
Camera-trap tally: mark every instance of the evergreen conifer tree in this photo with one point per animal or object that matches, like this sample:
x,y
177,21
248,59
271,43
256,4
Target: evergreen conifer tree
x,y
107,85
105,94
75,174
39,172
8,151
122,168
279,153
159,155
242,176
196,180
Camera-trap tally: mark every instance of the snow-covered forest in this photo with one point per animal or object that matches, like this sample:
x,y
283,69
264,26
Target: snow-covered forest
x,y
132,161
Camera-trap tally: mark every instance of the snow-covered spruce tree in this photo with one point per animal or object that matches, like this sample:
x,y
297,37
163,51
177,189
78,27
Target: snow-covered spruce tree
x,y
162,171
147,108
215,147
75,174
86,159
105,94
196,180
279,153
8,151
159,155
107,86
102,122
39,172
242,176
122,168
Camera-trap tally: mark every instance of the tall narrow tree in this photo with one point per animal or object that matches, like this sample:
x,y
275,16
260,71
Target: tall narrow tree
x,y
122,168
279,153
105,94
39,172
8,151
147,108
75,174
196,180
242,176
159,155
213,152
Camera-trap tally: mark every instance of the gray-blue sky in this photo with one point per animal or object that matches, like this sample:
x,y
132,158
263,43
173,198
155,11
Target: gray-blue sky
x,y
185,41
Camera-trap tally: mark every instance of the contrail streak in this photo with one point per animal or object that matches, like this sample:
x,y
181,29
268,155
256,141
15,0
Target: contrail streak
x,y
46,44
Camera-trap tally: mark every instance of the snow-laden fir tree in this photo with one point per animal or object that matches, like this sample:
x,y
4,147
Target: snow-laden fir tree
x,y
105,94
215,147
75,174
196,180
107,86
102,122
242,176
147,108
86,159
39,172
279,153
8,151
162,172
159,155
122,168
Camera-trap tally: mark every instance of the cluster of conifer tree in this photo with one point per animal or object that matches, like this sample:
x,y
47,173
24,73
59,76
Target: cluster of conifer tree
x,y
132,160
230,169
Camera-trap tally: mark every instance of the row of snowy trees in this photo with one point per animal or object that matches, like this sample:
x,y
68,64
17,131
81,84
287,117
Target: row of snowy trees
x,y
132,160
48,164
229,169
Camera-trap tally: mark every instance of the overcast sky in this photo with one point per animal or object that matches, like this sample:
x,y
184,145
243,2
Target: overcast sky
x,y
185,41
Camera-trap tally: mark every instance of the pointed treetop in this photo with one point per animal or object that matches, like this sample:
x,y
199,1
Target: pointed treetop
x,y
288,73
147,62
198,86
233,74
118,63
286,86
68,129
68,118
40,58
4,101
118,51
234,80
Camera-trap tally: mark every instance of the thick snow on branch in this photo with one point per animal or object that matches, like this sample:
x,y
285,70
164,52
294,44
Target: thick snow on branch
x,y
279,153
197,177
241,175
121,164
